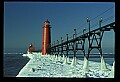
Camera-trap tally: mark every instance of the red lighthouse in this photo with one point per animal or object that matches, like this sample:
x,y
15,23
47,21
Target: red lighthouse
x,y
46,37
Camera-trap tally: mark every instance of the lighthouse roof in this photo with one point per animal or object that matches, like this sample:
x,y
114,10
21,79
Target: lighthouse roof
x,y
47,21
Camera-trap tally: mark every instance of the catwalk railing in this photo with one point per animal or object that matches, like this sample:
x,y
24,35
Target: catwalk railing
x,y
78,42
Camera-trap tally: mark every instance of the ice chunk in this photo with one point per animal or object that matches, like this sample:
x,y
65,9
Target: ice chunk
x,y
103,66
85,65
73,61
65,60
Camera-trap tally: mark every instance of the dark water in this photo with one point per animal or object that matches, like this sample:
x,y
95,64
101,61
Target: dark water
x,y
109,58
13,63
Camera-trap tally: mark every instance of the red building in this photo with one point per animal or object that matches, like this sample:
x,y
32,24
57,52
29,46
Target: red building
x,y
46,37
31,48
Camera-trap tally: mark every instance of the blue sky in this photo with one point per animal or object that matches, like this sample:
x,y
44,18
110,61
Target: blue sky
x,y
23,21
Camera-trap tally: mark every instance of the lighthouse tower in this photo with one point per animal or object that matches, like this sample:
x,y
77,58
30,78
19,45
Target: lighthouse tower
x,y
46,37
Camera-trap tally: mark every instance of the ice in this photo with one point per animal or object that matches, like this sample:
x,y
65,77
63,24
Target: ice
x,y
56,66
103,64
65,60
85,65
73,61
111,75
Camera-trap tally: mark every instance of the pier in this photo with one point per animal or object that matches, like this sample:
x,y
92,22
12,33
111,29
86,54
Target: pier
x,y
78,42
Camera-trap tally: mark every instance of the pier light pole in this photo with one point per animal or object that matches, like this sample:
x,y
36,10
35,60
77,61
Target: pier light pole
x,y
58,46
54,48
75,43
100,21
61,46
73,36
75,32
67,45
84,30
88,24
57,42
83,41
88,21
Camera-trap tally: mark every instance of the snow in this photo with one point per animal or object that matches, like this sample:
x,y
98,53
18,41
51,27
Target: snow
x,y
56,66
111,75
